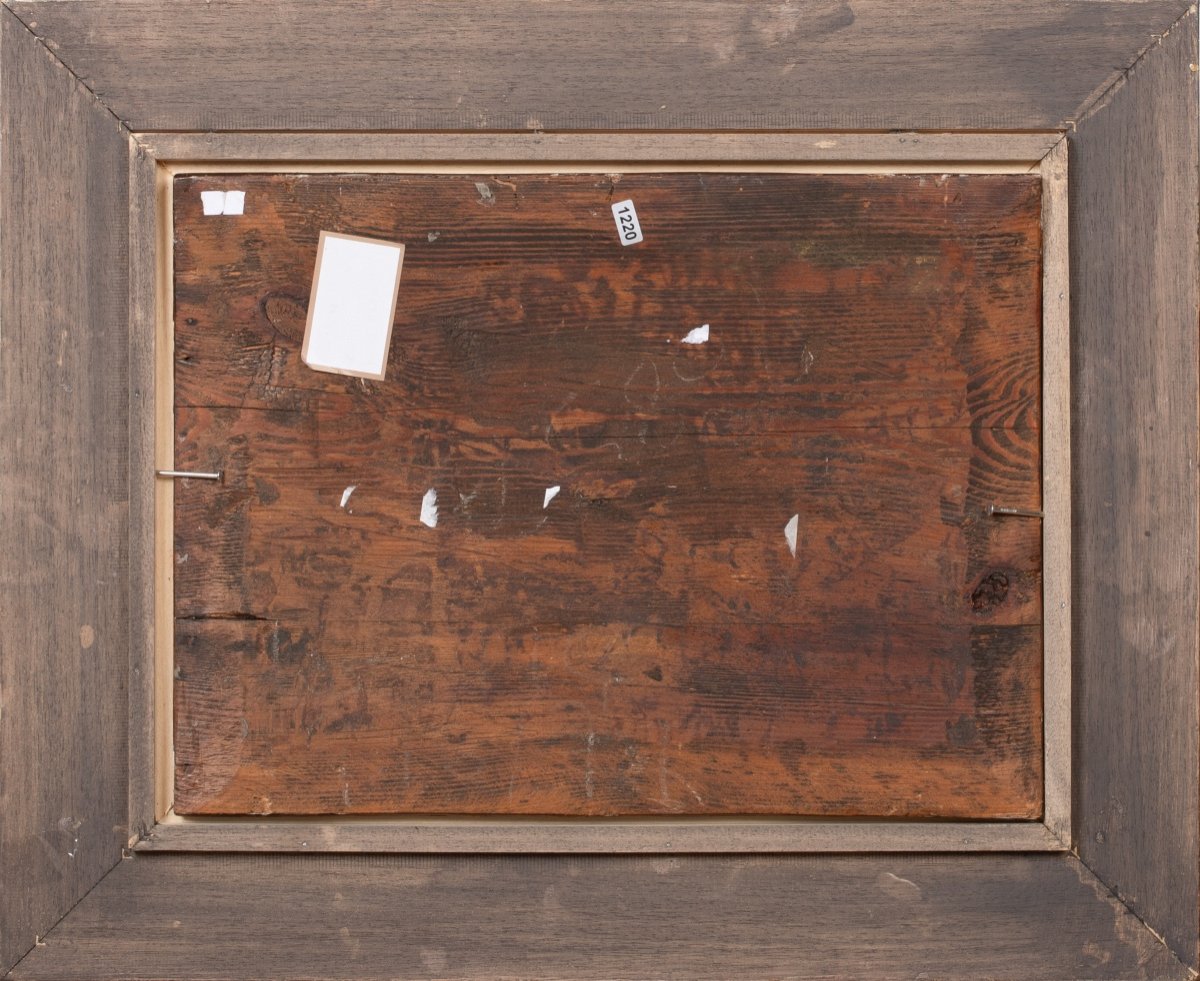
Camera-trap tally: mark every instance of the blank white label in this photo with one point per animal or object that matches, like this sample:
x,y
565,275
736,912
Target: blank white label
x,y
213,202
629,230
223,202
352,305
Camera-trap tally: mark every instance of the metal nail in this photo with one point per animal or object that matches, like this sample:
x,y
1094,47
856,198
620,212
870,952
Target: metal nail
x,y
192,474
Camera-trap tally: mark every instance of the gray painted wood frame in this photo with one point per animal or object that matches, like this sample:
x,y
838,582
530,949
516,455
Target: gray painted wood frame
x,y
1134,310
93,93
598,64
64,490
717,917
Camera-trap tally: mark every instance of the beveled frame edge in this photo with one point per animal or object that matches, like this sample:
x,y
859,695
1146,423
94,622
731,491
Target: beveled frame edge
x,y
149,499
821,146
611,837
1056,494
1042,153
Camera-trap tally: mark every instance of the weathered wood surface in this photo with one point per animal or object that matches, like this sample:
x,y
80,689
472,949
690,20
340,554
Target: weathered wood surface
x,y
1135,295
64,631
598,64
830,147
658,835
646,643
359,717
847,314
176,918
682,530
144,301
1057,622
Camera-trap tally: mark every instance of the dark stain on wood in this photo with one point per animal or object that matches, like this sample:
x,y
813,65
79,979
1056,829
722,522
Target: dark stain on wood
x,y
646,643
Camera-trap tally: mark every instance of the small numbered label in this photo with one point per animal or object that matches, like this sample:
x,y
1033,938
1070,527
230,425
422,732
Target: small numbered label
x,y
628,228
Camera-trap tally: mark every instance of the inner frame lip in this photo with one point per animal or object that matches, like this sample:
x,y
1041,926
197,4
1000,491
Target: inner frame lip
x,y
795,833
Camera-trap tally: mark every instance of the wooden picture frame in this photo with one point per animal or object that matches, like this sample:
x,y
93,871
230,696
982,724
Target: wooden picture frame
x,y
100,99
171,832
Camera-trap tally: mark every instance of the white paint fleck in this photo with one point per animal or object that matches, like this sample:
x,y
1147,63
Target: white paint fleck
x,y
213,202
346,494
485,194
429,511
551,494
433,236
825,144
697,335
235,203
789,532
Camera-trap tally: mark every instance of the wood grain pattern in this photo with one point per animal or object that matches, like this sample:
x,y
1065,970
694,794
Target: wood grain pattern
x,y
678,529
605,720
494,285
647,644
1137,496
403,65
64,631
221,917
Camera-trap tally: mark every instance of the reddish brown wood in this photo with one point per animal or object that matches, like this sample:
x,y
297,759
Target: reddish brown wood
x,y
647,643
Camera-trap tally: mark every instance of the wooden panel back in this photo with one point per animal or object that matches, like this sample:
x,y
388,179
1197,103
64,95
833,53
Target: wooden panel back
x,y
646,643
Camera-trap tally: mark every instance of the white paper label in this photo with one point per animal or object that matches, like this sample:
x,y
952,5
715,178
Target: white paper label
x,y
352,305
223,202
213,202
629,230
